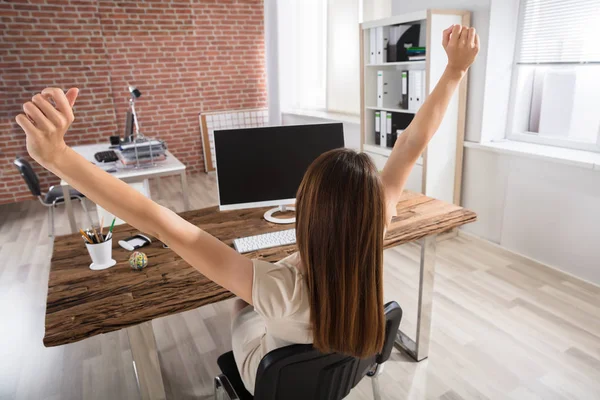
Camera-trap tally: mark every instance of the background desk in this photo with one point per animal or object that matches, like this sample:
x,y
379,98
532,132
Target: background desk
x,y
170,166
82,303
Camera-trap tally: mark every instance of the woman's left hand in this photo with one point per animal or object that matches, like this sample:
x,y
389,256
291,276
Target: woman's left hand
x,y
45,124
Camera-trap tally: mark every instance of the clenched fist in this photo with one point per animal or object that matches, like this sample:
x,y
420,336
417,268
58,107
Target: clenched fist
x,y
462,45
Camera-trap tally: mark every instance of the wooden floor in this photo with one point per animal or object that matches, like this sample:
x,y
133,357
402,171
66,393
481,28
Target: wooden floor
x,y
503,327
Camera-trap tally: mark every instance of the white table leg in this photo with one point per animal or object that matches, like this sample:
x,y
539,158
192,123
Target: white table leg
x,y
184,189
419,348
69,208
145,361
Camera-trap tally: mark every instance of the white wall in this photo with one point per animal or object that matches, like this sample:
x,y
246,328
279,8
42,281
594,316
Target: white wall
x,y
504,16
480,19
544,210
374,9
271,58
343,62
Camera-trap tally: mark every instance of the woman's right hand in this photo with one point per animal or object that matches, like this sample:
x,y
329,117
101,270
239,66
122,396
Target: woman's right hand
x,y
461,44
45,124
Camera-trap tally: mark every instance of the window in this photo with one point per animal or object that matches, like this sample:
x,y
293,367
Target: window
x,y
556,76
318,46
302,35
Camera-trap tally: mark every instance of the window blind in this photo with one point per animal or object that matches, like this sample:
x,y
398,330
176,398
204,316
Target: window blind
x,y
559,31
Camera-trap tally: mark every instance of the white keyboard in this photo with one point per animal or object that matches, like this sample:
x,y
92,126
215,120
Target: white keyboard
x,y
265,241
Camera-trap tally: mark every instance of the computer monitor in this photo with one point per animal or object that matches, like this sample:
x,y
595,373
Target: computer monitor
x,y
264,166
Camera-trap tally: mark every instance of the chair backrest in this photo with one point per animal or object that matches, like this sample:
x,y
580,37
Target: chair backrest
x,y
29,176
301,372
393,316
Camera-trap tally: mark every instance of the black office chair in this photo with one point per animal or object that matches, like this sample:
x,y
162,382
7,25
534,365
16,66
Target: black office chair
x,y
52,198
301,372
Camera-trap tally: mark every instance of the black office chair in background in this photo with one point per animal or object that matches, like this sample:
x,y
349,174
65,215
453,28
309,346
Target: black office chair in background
x,y
52,198
300,372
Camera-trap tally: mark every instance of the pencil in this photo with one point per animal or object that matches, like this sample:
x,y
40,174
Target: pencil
x,y
85,236
96,234
101,226
112,225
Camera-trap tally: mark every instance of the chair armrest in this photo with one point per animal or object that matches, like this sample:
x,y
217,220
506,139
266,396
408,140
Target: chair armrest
x,y
223,389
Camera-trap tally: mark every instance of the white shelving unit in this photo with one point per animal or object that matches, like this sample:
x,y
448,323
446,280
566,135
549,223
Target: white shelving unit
x,y
372,148
398,110
399,64
438,172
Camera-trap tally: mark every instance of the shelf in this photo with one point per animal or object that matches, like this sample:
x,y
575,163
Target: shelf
x,y
399,63
333,116
398,110
384,151
414,17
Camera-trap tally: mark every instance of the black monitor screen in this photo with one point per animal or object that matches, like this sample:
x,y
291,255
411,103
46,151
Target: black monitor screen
x,y
266,164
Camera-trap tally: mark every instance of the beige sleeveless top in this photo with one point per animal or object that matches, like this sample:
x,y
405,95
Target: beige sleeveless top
x,y
280,315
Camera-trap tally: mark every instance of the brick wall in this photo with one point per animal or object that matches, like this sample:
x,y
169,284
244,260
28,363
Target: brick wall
x,y
185,57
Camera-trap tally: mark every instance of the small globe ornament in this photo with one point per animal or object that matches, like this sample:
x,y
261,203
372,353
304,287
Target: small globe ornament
x,y
138,260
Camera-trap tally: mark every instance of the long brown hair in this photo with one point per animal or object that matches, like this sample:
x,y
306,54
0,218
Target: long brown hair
x,y
339,230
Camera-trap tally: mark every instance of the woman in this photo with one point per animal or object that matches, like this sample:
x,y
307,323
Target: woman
x,y
330,292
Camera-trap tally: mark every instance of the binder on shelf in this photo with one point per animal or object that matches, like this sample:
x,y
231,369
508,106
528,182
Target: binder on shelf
x,y
388,130
380,89
383,131
416,89
423,87
412,99
395,33
395,136
377,127
389,89
373,46
382,38
404,101
395,123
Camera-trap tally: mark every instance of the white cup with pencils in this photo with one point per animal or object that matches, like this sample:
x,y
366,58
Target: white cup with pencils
x,y
99,246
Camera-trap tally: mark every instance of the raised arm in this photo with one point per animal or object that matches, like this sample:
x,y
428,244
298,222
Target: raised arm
x,y
45,126
461,45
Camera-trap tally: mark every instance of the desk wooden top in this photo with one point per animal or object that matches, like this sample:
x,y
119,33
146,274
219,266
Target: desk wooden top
x,y
82,303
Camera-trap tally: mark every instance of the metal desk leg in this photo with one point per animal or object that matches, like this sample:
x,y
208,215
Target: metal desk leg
x,y
419,348
69,208
145,362
184,189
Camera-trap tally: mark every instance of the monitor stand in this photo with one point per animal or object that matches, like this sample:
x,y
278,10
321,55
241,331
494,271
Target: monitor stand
x,y
269,215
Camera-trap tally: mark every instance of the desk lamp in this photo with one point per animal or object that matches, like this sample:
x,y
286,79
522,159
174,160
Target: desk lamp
x,y
135,94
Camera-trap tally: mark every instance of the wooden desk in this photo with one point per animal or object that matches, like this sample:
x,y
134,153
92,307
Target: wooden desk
x,y
83,303
168,167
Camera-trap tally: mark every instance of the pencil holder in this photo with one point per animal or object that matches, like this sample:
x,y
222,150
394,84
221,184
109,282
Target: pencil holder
x,y
101,254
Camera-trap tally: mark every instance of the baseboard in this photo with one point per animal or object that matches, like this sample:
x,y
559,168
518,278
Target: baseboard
x,y
486,242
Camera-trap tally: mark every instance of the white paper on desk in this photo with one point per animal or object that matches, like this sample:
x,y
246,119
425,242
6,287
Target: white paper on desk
x,y
108,167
